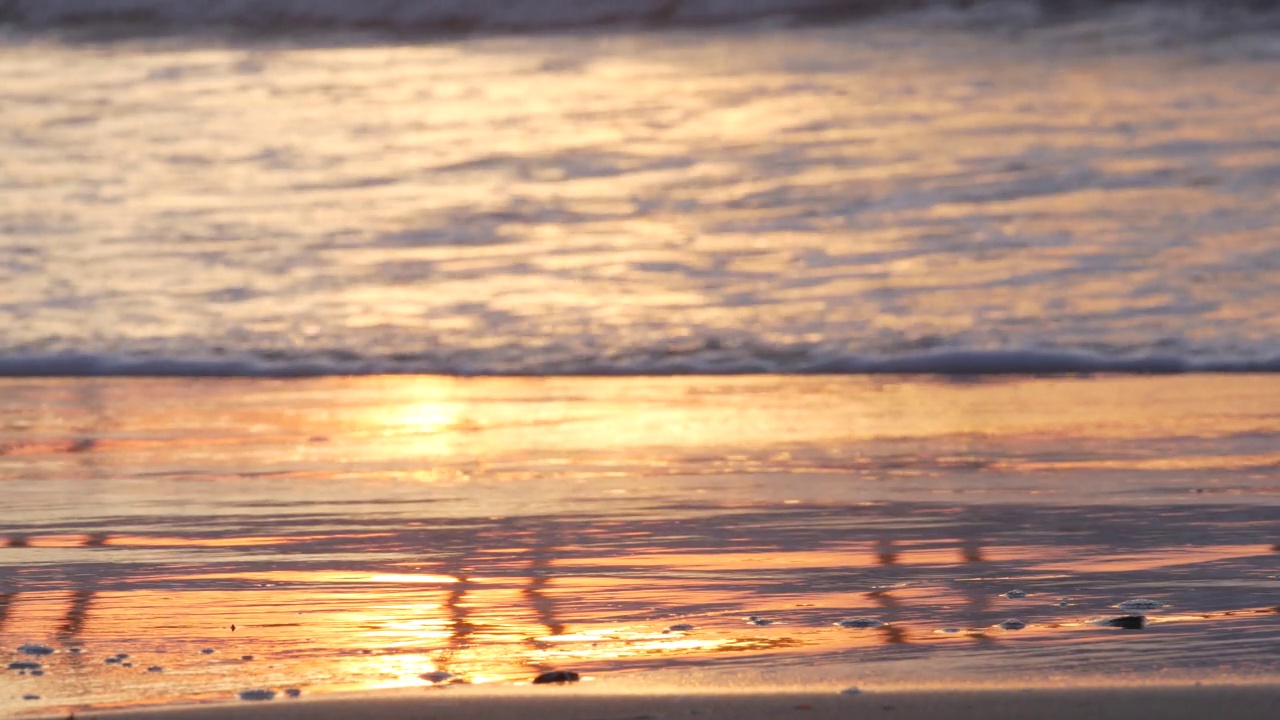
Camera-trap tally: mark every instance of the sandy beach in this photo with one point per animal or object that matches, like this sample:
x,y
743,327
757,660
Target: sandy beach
x,y
1100,703
177,541
372,359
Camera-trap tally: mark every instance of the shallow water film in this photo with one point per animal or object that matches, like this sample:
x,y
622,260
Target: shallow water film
x,y
185,539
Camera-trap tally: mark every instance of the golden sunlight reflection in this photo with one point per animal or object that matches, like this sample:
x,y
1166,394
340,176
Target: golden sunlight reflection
x,y
393,532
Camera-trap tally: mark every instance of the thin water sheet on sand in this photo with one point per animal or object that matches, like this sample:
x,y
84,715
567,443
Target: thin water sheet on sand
x,y
189,540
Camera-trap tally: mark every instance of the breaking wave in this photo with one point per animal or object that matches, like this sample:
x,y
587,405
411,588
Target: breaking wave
x,y
453,16
955,362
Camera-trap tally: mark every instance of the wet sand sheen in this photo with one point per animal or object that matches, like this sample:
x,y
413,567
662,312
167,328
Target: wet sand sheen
x,y
779,532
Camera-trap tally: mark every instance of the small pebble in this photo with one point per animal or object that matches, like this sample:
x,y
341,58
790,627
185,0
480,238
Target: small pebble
x,y
76,650
861,623
1012,624
1126,622
557,677
680,627
24,665
37,673
757,620
122,655
1064,602
112,661
155,668
258,695
34,649
1016,594
1140,604
246,657
30,697
126,664
437,676
207,651
851,691
293,692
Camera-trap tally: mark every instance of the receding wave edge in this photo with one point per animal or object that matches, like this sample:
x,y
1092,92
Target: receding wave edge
x,y
958,362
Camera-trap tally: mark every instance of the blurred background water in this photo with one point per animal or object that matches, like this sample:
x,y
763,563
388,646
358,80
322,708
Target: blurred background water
x,y
341,187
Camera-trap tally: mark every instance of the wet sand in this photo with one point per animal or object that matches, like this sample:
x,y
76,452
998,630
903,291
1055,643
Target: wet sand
x,y
685,537
1173,703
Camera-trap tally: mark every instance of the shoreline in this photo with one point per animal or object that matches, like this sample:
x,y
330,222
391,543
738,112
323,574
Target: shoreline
x,y
674,540
1101,702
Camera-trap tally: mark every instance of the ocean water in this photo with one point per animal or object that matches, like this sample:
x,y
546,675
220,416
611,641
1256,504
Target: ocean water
x,y
994,283
354,188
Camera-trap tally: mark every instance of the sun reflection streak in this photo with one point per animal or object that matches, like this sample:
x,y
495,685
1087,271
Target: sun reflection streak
x,y
617,526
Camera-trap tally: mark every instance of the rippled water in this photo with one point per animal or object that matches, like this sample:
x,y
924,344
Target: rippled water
x,y
367,533
864,196
964,192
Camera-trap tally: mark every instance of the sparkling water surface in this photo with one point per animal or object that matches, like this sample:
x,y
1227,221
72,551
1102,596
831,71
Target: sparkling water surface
x,y
965,192
882,195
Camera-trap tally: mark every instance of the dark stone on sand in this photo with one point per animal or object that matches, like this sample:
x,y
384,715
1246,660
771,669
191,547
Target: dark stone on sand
x,y
35,649
557,677
24,665
1127,622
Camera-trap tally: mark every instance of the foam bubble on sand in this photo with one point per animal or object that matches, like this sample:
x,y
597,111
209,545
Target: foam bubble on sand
x,y
860,623
1016,594
1140,604
1012,624
24,665
258,695
36,649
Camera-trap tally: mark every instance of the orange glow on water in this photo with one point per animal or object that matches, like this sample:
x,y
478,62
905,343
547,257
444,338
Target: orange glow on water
x,y
365,533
